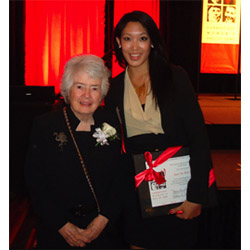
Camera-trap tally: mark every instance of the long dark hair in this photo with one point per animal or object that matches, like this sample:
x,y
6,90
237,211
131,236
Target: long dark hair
x,y
159,66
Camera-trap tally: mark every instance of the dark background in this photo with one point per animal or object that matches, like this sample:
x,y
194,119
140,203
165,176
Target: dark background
x,y
180,25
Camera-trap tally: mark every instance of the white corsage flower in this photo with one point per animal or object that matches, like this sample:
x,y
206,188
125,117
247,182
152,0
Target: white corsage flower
x,y
106,133
109,130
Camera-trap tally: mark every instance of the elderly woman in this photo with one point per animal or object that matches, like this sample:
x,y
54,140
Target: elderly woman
x,y
74,170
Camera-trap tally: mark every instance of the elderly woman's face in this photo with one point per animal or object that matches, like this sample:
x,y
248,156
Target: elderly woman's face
x,y
85,95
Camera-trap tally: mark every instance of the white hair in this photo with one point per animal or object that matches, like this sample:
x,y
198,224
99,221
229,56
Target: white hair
x,y
92,65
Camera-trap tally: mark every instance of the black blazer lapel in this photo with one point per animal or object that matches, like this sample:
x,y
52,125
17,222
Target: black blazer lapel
x,y
114,99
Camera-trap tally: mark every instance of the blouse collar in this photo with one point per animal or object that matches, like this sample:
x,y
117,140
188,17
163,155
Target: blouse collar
x,y
74,121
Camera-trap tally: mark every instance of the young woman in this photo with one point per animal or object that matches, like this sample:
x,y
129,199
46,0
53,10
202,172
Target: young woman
x,y
158,109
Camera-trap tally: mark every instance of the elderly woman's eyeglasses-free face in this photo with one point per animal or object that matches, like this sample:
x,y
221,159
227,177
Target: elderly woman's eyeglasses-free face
x,y
85,95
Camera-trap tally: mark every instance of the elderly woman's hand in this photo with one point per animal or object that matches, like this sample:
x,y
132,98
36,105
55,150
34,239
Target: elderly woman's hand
x,y
96,226
187,210
75,236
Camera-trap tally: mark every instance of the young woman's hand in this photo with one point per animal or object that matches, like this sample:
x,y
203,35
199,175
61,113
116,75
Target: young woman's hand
x,y
187,210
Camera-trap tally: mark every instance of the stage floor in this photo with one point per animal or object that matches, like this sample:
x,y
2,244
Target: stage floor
x,y
223,110
220,109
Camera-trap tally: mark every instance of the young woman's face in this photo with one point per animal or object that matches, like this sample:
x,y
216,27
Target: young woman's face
x,y
135,44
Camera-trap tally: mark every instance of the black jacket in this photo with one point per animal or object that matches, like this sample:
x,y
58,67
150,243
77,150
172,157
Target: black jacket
x,y
183,124
55,176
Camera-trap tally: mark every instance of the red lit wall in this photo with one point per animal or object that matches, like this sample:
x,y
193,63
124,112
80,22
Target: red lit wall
x,y
56,31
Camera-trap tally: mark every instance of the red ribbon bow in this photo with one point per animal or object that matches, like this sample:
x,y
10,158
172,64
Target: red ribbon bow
x,y
150,174
211,179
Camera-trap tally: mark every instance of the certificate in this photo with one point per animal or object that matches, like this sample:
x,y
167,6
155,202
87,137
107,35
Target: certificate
x,y
158,199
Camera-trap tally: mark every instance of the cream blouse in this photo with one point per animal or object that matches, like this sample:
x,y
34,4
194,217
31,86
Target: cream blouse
x,y
139,121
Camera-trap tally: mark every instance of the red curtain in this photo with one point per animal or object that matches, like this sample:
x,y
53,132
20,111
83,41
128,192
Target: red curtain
x,y
151,7
56,31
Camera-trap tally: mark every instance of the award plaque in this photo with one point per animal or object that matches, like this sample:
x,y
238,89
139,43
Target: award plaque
x,y
158,199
